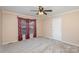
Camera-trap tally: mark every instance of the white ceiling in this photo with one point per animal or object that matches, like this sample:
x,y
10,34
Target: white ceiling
x,y
27,9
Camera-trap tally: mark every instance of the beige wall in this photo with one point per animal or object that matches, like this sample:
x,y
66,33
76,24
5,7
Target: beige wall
x,y
44,26
70,27
10,29
47,26
39,26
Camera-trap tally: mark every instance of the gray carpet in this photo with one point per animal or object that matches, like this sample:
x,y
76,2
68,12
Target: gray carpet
x,y
39,45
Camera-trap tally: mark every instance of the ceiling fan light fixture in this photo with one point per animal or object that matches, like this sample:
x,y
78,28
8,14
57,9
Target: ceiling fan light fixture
x,y
40,13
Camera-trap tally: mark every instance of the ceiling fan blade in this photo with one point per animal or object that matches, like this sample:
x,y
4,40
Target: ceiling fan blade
x,y
48,10
45,13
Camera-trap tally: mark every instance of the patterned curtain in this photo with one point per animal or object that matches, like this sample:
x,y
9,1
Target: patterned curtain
x,y
34,35
27,29
19,30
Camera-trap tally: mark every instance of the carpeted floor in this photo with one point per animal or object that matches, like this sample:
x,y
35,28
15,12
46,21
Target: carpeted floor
x,y
39,45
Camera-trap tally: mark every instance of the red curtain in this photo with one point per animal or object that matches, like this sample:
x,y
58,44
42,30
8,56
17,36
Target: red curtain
x,y
27,29
19,30
34,35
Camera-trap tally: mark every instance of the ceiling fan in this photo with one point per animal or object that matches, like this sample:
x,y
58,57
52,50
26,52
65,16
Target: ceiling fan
x,y
41,11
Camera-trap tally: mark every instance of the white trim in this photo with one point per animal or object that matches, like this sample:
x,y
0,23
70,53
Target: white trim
x,y
68,42
65,42
4,43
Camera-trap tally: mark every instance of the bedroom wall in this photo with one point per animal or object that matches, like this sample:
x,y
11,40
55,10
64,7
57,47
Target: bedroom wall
x,y
10,29
47,26
40,26
44,26
10,26
70,27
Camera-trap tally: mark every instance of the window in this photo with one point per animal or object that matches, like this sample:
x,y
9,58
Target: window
x,y
23,27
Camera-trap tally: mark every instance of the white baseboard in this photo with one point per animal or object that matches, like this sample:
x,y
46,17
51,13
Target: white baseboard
x,y
4,43
65,42
68,42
